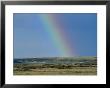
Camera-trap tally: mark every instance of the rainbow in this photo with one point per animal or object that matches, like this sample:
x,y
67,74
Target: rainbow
x,y
55,30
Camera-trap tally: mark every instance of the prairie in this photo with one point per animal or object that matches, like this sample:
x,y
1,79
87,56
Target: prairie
x,y
56,66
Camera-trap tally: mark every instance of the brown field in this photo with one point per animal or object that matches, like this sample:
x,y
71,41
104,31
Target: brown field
x,y
56,66
76,70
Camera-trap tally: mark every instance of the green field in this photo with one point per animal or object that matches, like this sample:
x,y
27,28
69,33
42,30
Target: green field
x,y
71,66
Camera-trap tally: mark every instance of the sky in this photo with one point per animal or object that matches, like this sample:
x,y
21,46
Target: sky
x,y
54,34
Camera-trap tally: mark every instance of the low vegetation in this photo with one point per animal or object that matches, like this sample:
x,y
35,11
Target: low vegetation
x,y
76,67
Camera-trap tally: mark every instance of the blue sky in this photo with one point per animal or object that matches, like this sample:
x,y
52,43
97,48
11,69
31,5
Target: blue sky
x,y
32,40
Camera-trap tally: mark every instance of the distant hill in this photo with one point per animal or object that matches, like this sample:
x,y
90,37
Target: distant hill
x,y
58,60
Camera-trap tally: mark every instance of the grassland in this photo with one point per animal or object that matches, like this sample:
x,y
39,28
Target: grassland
x,y
55,71
56,66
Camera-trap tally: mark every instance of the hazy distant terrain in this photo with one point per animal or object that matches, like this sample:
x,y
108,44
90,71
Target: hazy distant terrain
x,y
56,66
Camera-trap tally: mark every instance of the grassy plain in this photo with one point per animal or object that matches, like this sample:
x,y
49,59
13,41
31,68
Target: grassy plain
x,y
55,71
56,66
